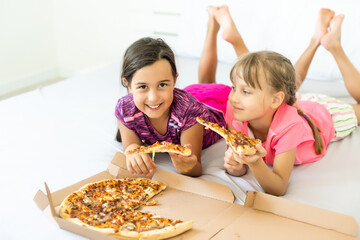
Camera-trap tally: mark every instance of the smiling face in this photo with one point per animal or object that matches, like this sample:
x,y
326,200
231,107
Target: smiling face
x,y
250,103
152,88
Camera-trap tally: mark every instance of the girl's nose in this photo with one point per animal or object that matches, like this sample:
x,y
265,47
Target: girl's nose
x,y
234,98
153,96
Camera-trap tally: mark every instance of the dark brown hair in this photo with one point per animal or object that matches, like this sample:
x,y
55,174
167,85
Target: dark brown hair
x,y
144,52
279,74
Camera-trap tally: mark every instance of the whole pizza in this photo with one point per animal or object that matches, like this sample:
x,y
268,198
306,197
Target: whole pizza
x,y
109,206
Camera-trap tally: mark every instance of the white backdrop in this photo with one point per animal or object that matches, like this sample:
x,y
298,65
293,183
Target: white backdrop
x,y
57,39
278,25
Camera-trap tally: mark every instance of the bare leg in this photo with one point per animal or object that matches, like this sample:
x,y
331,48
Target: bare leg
x,y
218,16
332,42
357,112
208,59
303,63
230,32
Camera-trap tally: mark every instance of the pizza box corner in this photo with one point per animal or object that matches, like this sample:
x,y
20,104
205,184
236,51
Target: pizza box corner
x,y
210,205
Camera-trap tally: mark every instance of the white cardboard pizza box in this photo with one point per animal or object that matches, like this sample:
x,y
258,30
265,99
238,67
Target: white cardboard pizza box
x,y
210,205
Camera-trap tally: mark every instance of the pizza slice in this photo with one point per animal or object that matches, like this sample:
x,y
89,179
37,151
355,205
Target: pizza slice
x,y
108,206
238,141
162,147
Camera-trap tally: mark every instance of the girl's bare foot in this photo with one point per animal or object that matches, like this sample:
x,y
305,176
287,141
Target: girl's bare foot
x,y
213,25
331,40
230,32
324,17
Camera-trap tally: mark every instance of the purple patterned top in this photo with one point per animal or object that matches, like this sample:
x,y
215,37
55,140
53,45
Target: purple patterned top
x,y
183,112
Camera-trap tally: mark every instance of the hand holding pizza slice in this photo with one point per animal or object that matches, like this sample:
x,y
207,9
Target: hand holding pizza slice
x,y
250,159
139,162
238,141
162,147
184,164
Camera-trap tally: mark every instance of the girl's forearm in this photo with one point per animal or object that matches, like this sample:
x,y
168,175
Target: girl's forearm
x,y
269,181
130,146
196,171
237,172
192,171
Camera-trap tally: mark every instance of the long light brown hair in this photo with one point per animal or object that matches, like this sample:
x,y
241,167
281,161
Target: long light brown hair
x,y
279,74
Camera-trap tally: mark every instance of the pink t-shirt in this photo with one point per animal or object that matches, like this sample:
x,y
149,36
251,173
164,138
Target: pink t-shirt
x,y
289,130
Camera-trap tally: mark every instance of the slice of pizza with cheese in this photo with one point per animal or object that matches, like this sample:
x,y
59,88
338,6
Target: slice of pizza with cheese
x,y
238,141
162,147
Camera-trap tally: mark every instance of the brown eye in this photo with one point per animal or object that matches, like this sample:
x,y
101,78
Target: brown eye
x,y
142,87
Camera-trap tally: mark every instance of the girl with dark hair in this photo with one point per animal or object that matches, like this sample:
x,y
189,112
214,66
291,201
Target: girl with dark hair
x,y
263,103
156,111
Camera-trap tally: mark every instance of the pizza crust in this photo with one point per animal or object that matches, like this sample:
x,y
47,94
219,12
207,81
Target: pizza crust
x,y
163,233
167,231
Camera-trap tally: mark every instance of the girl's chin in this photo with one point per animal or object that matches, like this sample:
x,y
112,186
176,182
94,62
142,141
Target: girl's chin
x,y
240,117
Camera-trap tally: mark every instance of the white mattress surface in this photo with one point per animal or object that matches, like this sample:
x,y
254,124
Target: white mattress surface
x,y
65,132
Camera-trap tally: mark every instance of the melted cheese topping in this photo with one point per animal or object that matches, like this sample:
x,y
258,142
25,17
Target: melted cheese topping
x,y
162,147
111,204
237,139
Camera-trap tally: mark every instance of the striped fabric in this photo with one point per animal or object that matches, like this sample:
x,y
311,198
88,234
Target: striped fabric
x,y
342,113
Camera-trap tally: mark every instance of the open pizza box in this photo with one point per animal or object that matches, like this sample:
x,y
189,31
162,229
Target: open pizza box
x,y
210,205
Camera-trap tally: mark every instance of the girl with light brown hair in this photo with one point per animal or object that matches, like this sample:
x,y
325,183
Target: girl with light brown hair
x,y
263,102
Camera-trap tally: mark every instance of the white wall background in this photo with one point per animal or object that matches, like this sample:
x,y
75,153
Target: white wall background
x,y
90,33
41,40
285,26
27,48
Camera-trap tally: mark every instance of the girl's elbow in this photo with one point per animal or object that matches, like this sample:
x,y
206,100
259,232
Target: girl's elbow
x,y
192,174
195,175
277,192
281,193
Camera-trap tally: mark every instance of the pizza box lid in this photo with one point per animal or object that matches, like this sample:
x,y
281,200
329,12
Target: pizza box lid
x,y
214,216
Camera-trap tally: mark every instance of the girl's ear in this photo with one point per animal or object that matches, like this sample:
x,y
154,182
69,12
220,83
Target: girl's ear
x,y
177,74
277,99
126,82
